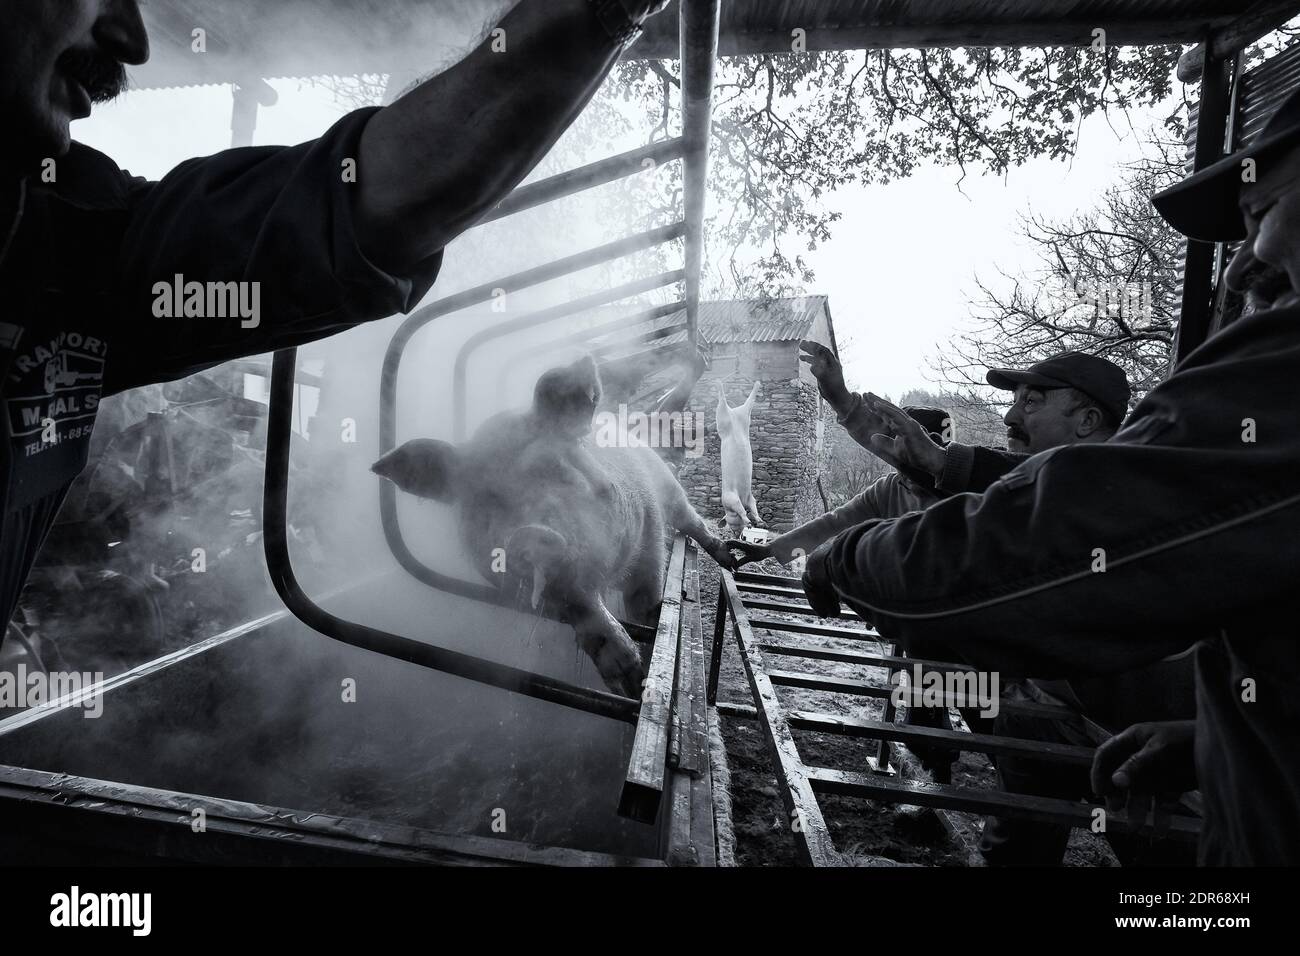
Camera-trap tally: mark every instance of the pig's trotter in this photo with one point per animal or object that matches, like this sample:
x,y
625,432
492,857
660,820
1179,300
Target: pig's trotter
x,y
615,655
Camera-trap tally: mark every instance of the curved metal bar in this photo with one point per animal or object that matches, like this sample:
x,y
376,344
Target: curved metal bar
x,y
478,339
585,177
631,321
280,565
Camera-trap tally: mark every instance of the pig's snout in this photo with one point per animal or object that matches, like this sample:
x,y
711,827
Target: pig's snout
x,y
538,549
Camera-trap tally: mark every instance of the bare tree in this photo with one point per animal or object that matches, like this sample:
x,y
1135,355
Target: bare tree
x,y
1107,283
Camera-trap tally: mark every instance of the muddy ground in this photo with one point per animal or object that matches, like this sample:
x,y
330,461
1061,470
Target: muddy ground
x,y
860,829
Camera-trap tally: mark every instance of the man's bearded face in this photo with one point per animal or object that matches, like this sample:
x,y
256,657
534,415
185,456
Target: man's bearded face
x,y
57,58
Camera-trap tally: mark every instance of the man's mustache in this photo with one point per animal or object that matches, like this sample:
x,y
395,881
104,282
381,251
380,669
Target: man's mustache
x,y
1018,435
103,77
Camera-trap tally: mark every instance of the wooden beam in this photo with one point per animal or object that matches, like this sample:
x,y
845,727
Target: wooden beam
x,y
889,661
659,43
689,748
1044,750
740,711
999,803
747,587
861,688
1231,38
802,813
1195,311
820,630
758,604
644,785
755,577
68,820
715,650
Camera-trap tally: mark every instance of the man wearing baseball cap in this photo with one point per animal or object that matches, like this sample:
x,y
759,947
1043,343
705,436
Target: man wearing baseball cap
x,y
1182,530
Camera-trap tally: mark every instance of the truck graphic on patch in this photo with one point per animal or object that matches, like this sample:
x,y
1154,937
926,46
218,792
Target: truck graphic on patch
x,y
67,369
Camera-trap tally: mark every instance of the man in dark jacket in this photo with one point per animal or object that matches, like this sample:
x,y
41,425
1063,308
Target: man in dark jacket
x,y
1182,530
108,282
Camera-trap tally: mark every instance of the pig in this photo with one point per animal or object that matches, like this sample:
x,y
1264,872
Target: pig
x,y
737,463
570,521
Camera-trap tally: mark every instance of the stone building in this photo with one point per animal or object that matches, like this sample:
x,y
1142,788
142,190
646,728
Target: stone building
x,y
759,339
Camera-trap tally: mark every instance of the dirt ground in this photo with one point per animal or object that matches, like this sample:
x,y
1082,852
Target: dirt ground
x,y
861,829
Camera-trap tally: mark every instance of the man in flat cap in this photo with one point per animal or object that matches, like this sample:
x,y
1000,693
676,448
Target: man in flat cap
x,y
1182,530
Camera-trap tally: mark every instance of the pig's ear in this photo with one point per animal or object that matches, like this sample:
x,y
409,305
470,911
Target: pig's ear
x,y
424,467
585,378
568,392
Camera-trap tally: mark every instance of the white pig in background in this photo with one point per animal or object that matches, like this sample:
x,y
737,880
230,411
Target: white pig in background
x,y
737,462
542,512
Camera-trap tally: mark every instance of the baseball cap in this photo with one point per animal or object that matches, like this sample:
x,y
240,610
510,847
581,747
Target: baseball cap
x,y
1206,205
1101,380
933,420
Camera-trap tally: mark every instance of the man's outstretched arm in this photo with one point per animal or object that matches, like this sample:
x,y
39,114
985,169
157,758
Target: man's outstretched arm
x,y
1090,559
434,162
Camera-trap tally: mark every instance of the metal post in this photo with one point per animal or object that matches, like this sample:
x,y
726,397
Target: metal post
x,y
699,44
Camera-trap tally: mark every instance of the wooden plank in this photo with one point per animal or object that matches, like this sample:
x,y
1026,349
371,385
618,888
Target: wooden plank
x,y
690,745
818,630
755,577
757,604
1231,38
703,835
746,587
889,661
740,711
715,649
644,785
69,820
812,839
1044,750
860,688
965,800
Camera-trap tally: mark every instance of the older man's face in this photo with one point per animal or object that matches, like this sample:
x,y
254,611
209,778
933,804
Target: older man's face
x,y
1042,418
57,57
1271,208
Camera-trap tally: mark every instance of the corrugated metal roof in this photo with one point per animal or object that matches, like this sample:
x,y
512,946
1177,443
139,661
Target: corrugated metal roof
x,y
249,39
753,320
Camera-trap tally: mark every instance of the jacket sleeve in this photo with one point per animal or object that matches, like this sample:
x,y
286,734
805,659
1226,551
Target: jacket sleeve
x,y
865,506
277,219
974,468
967,468
1091,559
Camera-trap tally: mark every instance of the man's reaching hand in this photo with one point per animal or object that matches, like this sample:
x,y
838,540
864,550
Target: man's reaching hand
x,y
904,443
826,368
1147,762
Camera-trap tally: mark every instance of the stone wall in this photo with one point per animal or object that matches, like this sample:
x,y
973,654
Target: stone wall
x,y
788,445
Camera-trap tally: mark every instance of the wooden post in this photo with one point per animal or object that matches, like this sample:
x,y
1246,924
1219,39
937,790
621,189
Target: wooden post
x,y
1198,273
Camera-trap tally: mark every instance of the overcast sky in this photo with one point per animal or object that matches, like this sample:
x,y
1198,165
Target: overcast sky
x,y
899,270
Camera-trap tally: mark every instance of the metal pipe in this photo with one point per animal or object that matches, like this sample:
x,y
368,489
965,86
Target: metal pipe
x,y
586,177
649,315
604,297
699,46
280,565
